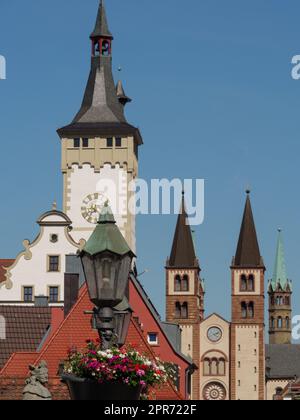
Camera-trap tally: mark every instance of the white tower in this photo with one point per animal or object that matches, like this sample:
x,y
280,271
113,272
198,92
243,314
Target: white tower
x,y
99,147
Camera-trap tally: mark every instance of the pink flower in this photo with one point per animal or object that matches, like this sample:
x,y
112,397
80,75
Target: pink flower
x,y
143,383
141,372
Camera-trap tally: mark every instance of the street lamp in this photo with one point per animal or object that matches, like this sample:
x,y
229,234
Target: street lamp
x,y
106,260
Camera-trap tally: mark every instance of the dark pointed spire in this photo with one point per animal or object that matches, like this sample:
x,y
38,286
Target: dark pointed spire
x,y
183,253
101,112
248,253
123,98
101,26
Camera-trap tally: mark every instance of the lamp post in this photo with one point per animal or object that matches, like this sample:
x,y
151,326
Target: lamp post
x,y
106,260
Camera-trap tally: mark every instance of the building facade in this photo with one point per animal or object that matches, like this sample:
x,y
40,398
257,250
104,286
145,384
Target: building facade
x,y
38,271
215,359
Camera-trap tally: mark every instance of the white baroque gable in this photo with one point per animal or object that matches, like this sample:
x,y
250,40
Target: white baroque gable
x,y
31,265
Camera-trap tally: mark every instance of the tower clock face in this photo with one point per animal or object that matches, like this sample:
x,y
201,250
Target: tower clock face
x,y
214,334
91,207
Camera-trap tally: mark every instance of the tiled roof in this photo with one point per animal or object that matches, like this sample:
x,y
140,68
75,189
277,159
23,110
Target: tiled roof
x,y
18,364
25,328
73,332
283,361
4,263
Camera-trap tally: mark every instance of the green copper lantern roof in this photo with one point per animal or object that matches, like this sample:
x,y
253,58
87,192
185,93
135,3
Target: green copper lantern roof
x,y
107,236
280,276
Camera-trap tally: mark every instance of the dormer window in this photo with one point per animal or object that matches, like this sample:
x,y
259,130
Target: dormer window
x,y
153,339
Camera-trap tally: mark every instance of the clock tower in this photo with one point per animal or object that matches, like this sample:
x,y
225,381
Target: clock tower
x,y
99,147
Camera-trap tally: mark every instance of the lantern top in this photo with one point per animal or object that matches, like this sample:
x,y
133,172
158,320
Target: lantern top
x,y
107,236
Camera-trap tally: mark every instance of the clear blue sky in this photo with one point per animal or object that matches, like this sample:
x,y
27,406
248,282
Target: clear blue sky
x,y
213,96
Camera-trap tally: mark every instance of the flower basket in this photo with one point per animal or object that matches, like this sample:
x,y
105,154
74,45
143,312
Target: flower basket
x,y
88,390
114,374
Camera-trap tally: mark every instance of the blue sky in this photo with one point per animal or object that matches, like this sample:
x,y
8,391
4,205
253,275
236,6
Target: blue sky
x,y
213,97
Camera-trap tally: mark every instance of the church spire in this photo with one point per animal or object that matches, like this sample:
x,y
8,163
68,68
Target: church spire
x,y
183,253
248,253
102,110
101,27
280,278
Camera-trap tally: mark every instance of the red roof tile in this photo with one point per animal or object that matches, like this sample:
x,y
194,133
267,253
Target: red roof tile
x,y
73,332
18,364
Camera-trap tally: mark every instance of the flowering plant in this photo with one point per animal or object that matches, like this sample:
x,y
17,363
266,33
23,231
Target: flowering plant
x,y
124,365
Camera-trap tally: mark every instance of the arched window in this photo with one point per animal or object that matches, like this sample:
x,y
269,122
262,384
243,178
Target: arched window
x,y
251,310
279,300
105,48
279,322
243,283
251,283
185,284
272,323
287,301
185,311
287,323
222,367
177,284
2,328
214,367
177,310
244,310
206,367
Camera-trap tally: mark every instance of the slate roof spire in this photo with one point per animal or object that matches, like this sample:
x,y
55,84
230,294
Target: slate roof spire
x,y
101,112
101,27
123,98
183,253
248,253
280,278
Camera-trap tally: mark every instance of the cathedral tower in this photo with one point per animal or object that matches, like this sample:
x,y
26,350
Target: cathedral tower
x,y
185,292
247,330
99,147
280,300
